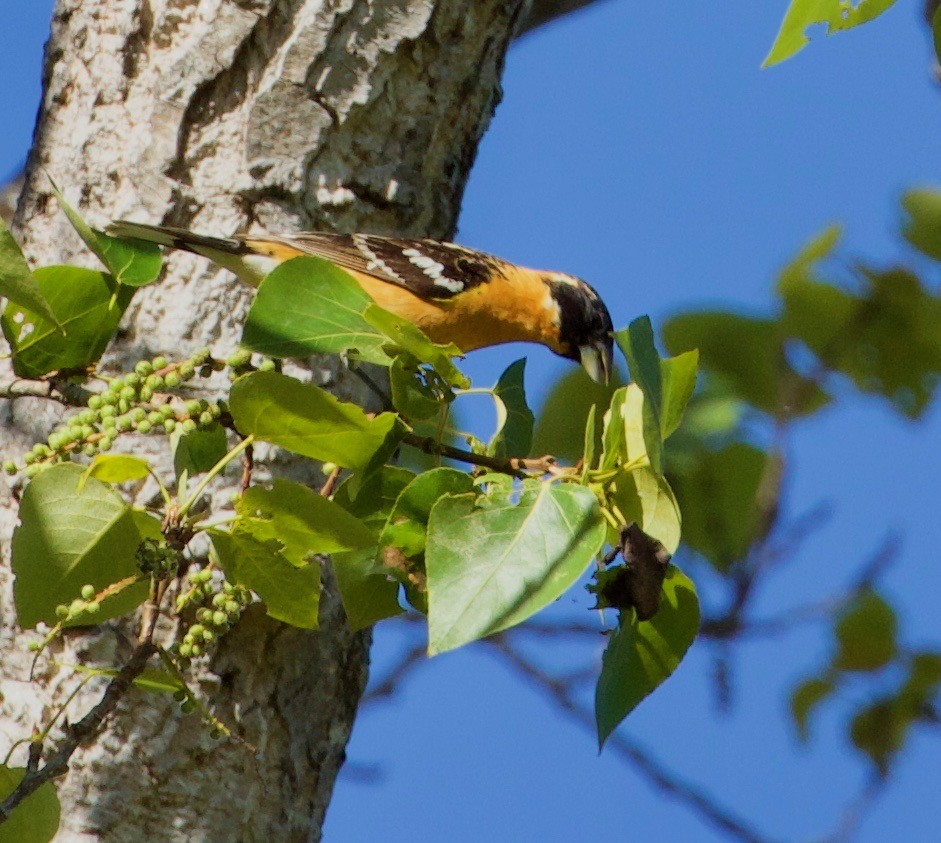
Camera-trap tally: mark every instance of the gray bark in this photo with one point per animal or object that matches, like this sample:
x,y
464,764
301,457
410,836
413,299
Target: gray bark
x,y
228,115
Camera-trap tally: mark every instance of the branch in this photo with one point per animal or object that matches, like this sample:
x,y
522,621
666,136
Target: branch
x,y
53,388
512,465
81,732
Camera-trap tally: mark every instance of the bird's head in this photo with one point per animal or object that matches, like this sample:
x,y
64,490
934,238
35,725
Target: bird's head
x,y
585,327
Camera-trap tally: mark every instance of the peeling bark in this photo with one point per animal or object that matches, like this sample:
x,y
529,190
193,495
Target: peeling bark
x,y
229,115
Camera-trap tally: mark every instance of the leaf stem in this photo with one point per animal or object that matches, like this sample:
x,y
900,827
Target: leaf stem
x,y
214,472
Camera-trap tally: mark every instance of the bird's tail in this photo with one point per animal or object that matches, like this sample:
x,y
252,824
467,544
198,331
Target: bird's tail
x,y
232,253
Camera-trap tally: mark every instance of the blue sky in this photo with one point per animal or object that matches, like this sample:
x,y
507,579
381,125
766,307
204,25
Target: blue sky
x,y
639,146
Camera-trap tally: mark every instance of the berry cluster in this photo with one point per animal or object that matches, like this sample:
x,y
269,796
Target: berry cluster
x,y
157,558
131,403
87,604
219,610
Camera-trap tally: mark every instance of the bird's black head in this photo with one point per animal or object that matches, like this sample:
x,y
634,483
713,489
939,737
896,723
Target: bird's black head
x,y
585,327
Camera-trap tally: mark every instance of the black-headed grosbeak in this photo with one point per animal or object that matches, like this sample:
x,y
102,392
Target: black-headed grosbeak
x,y
452,293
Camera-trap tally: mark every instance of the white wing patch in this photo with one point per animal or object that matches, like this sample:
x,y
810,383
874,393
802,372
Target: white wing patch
x,y
374,261
434,270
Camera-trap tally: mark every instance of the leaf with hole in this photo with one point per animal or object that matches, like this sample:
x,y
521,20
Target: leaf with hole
x,y
641,655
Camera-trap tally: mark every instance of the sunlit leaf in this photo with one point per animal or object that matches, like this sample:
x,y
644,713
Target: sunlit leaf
x,y
88,305
17,282
491,566
646,499
308,420
290,593
36,818
133,263
69,537
642,654
838,15
115,468
199,450
514,436
303,522
309,306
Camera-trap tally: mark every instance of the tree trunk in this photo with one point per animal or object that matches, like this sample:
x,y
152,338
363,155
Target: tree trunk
x,y
226,115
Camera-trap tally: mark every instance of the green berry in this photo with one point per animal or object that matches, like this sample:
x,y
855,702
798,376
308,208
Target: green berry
x,y
10,467
109,396
215,410
206,419
204,615
62,611
132,380
105,443
88,591
173,380
128,393
93,607
241,358
194,408
146,393
109,411
138,414
218,600
159,362
166,411
186,651
169,425
125,423
209,636
87,430
266,366
154,417
144,426
95,402
219,618
90,449
196,649
32,470
232,608
188,426
76,606
144,368
34,646
109,423
187,370
123,405
201,356
87,416
29,458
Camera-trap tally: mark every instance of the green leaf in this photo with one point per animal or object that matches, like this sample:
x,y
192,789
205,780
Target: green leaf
x,y
887,339
646,499
411,396
301,520
865,634
564,414
309,421
514,436
198,451
923,228
309,306
69,537
806,697
491,565
133,263
838,15
591,441
290,593
115,468
17,282
368,592
747,355
152,679
642,654
407,526
87,304
407,337
717,491
666,385
36,818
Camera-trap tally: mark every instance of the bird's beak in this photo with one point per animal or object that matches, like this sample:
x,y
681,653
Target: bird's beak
x,y
596,361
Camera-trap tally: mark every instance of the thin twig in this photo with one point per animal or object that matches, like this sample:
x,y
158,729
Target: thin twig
x,y
81,732
512,465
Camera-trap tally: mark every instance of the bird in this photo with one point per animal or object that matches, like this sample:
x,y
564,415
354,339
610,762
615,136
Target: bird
x,y
452,293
